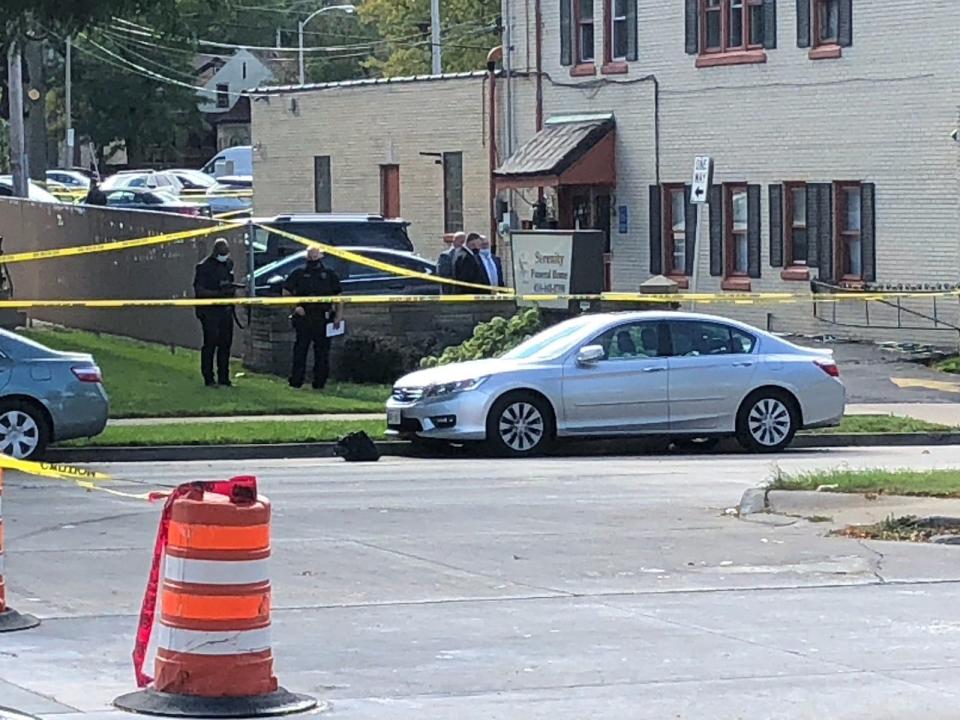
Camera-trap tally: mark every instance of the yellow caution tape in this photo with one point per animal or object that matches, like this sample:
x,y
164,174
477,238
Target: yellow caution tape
x,y
376,264
232,213
119,244
83,478
704,299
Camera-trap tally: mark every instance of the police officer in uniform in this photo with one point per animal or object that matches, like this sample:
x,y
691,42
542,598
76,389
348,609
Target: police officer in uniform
x,y
310,320
214,279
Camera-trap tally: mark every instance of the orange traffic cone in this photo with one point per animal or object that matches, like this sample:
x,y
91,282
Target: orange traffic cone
x,y
10,619
214,657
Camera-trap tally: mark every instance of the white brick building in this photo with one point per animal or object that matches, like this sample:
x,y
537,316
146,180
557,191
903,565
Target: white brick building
x,y
823,93
829,122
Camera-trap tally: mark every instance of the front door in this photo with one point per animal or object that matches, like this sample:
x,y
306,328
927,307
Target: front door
x,y
626,391
711,369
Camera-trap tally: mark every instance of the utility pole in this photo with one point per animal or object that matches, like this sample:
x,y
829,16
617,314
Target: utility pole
x,y
69,103
435,46
18,155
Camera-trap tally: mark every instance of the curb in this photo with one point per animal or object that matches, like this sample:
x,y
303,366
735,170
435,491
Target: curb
x,y
876,439
188,453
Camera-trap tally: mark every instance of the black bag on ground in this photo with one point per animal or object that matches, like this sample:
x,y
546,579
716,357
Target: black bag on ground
x,y
357,447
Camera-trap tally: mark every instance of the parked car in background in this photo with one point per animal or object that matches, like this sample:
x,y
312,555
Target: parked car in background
x,y
231,161
37,193
232,194
349,231
194,180
680,375
355,278
69,179
46,396
158,200
147,179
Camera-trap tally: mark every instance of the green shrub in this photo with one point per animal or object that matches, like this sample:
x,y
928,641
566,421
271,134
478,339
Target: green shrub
x,y
490,339
368,358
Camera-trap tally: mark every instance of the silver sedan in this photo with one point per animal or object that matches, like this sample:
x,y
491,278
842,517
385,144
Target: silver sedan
x,y
680,375
46,396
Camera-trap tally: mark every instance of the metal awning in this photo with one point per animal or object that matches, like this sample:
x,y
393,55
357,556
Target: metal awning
x,y
570,150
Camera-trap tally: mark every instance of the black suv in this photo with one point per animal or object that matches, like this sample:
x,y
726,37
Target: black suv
x,y
329,229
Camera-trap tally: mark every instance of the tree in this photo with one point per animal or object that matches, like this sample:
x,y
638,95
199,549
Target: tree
x,y
470,29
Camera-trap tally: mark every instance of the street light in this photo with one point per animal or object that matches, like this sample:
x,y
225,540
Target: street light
x,y
348,9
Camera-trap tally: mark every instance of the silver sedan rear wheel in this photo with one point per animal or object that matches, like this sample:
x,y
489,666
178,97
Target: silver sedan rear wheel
x,y
20,434
767,422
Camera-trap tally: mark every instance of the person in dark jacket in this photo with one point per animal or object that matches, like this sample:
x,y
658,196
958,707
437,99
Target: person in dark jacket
x,y
468,268
445,263
214,279
310,320
491,263
95,196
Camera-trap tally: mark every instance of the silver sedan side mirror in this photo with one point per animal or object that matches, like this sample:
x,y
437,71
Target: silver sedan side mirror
x,y
590,355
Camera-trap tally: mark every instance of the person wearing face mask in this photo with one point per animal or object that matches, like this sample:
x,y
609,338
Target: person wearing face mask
x,y
310,319
491,263
214,279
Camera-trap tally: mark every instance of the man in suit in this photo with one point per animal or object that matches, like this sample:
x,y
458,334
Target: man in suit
x,y
468,268
491,263
445,263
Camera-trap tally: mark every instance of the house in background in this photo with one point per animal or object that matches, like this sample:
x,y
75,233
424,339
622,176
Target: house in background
x,y
221,99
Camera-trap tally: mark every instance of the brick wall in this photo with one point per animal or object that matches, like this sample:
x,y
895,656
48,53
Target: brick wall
x,y
363,125
420,328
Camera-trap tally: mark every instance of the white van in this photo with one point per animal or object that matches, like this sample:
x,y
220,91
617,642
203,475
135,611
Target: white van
x,y
232,161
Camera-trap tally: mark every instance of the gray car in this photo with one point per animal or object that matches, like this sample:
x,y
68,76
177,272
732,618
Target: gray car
x,y
679,375
46,396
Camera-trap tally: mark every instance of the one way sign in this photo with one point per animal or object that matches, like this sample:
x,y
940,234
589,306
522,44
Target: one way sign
x,y
702,179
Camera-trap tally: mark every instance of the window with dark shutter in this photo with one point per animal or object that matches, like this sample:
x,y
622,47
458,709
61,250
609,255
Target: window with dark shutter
x,y
753,231
691,26
675,198
803,23
824,230
848,201
716,231
620,34
733,25
633,52
566,32
775,201
829,24
868,225
656,241
690,226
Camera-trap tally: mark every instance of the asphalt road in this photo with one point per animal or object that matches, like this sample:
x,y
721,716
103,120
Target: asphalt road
x,y
557,588
876,375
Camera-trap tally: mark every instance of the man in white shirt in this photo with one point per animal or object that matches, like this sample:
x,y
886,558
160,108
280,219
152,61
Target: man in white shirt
x,y
491,263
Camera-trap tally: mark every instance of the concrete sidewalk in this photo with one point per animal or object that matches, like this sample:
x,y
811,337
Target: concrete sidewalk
x,y
943,413
323,417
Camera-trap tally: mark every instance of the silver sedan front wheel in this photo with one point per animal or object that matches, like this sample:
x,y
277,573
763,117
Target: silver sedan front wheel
x,y
519,425
767,422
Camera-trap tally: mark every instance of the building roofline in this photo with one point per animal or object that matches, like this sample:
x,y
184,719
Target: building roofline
x,y
366,82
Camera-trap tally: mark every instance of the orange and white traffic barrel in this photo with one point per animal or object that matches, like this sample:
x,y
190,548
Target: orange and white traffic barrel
x,y
213,652
10,619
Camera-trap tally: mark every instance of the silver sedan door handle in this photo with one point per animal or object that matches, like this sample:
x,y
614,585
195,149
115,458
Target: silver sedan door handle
x,y
654,369
748,363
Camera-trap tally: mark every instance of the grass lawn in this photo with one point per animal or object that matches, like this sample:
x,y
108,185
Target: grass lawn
x,y
233,433
950,365
882,424
148,380
928,483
